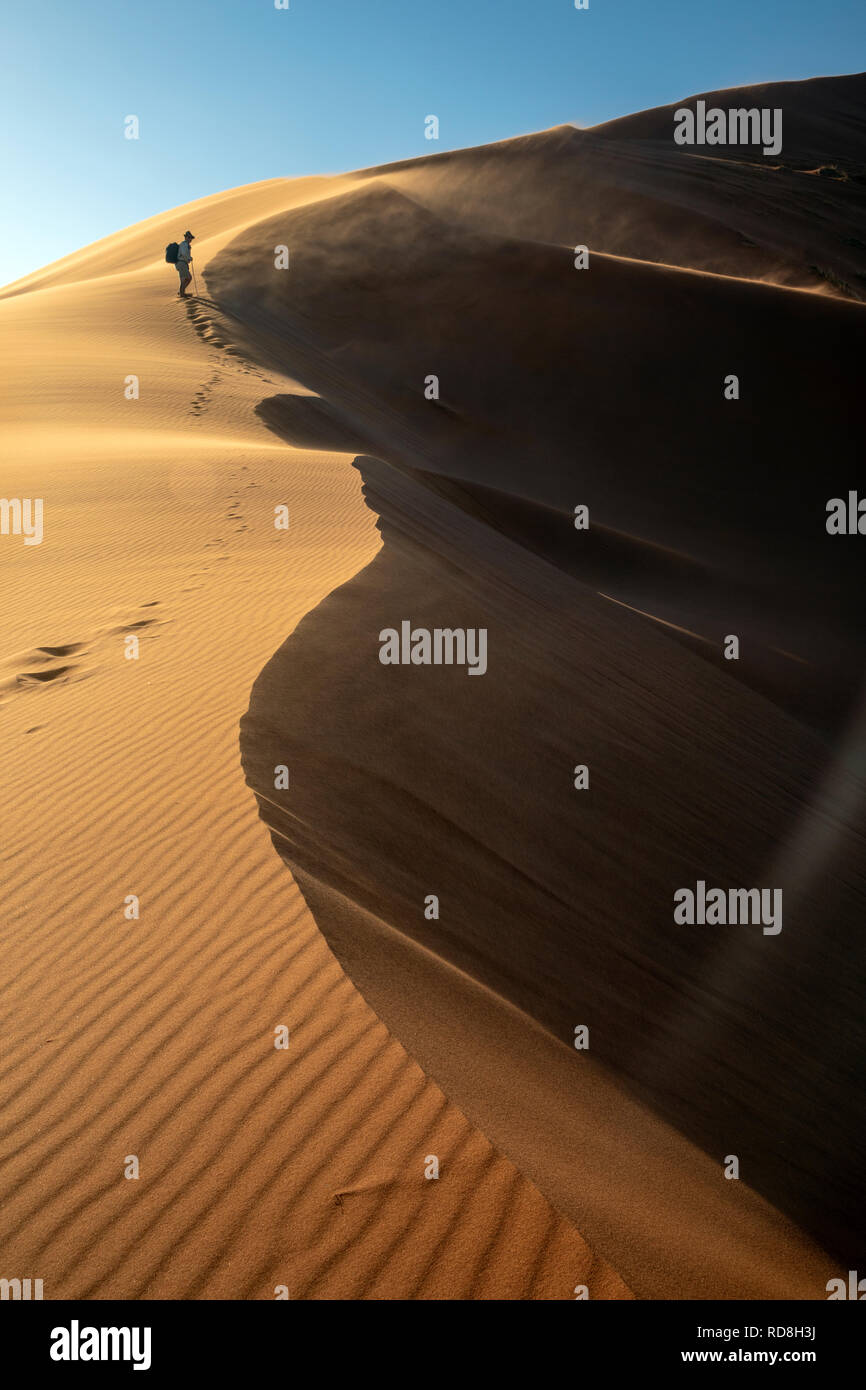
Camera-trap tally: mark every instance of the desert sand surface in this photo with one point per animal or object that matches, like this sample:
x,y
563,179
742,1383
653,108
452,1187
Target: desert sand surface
x,y
259,1168
305,388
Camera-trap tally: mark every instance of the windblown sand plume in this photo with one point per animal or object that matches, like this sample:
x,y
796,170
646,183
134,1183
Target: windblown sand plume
x,y
430,389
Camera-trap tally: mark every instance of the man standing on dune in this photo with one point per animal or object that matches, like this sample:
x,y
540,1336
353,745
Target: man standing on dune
x,y
184,257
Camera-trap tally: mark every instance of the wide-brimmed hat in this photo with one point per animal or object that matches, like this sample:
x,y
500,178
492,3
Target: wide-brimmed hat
x,y
189,236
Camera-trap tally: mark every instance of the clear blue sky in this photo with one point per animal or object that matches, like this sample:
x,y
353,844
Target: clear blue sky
x,y
231,91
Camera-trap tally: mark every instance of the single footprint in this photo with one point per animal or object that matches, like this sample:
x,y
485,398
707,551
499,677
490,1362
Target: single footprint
x,y
42,677
66,650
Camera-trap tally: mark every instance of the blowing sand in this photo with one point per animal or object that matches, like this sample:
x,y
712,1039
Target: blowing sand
x,y
409,1038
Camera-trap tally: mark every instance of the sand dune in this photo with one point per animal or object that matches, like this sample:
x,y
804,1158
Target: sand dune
x,y
155,1037
558,387
710,521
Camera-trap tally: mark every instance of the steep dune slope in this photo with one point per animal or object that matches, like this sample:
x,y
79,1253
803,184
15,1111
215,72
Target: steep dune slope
x,y
602,387
615,400
823,119
560,902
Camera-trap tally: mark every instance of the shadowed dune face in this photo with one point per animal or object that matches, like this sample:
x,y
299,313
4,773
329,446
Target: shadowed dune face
x,y
614,400
605,388
408,781
656,201
823,119
626,188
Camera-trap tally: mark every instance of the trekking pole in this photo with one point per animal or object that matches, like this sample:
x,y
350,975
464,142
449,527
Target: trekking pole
x,y
194,282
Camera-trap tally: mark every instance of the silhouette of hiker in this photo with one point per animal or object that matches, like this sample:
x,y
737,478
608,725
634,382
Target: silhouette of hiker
x,y
184,256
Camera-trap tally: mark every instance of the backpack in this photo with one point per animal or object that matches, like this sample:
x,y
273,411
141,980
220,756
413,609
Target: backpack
x,y
171,252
